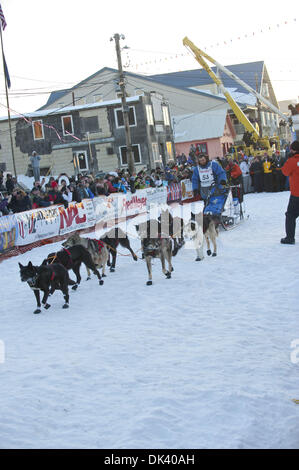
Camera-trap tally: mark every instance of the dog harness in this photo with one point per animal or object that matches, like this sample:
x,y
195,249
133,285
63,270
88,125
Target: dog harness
x,y
99,243
70,261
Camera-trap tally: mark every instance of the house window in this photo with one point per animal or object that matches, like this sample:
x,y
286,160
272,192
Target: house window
x,y
166,115
97,97
119,117
149,114
156,154
81,160
169,149
266,90
136,153
67,125
90,124
202,148
38,130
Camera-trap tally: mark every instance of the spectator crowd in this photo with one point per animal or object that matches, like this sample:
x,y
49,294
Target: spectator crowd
x,y
255,174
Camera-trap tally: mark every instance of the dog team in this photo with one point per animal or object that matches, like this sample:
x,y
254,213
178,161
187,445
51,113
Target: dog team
x,y
160,238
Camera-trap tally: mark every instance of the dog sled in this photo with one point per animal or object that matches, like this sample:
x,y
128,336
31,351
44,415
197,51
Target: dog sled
x,y
227,204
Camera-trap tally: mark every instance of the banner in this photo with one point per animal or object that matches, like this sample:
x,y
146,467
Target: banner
x,y
135,203
174,192
8,232
28,227
37,224
156,196
186,189
77,216
109,208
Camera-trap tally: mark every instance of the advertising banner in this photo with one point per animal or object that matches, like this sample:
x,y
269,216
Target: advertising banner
x,y
135,203
8,232
37,224
109,208
174,192
186,189
77,216
156,196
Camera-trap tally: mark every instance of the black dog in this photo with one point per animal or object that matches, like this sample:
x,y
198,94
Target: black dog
x,y
72,258
113,238
46,279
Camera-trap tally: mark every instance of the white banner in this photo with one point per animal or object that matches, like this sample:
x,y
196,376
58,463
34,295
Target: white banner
x,y
48,222
135,203
77,216
37,224
156,196
187,192
109,208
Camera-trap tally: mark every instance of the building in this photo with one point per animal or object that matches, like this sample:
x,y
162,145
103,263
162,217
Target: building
x,y
254,74
89,137
212,131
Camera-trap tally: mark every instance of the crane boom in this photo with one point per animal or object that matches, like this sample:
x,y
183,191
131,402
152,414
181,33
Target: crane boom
x,y
199,52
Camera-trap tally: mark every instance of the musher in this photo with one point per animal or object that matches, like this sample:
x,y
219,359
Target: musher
x,y
206,175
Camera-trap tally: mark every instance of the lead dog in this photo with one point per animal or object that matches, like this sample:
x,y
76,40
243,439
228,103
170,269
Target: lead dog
x,y
198,230
155,245
96,248
46,279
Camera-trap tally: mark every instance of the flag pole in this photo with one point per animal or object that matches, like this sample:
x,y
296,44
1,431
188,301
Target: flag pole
x,y
8,110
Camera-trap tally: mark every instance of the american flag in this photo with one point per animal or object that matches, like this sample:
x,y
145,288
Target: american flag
x,y
2,19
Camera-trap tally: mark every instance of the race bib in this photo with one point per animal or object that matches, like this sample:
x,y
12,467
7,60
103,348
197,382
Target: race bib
x,y
206,176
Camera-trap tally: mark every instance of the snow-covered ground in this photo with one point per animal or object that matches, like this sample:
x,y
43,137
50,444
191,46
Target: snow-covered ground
x,y
199,361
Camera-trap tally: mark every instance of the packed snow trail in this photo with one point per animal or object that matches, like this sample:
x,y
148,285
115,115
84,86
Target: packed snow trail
x,y
202,360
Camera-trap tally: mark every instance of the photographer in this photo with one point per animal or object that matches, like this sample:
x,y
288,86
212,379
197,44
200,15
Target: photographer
x,y
67,194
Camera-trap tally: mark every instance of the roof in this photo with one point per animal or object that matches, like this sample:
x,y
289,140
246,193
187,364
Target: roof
x,y
251,73
68,109
55,95
207,125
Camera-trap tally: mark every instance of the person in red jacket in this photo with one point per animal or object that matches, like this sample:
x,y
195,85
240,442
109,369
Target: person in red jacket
x,y
291,169
234,176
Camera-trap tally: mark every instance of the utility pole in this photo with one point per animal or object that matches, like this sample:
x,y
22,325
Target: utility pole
x,y
8,110
125,107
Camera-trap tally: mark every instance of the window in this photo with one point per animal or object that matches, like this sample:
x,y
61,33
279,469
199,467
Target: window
x,y
202,148
38,130
149,114
67,125
97,97
90,124
81,160
156,154
136,153
166,115
266,90
119,118
169,149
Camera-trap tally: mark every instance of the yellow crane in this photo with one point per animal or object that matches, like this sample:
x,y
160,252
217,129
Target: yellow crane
x,y
263,143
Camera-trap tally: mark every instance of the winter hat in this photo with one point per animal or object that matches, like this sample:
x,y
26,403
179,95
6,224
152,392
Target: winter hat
x,y
295,145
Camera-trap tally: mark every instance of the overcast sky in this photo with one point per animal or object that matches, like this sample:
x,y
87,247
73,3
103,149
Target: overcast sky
x,y
51,45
